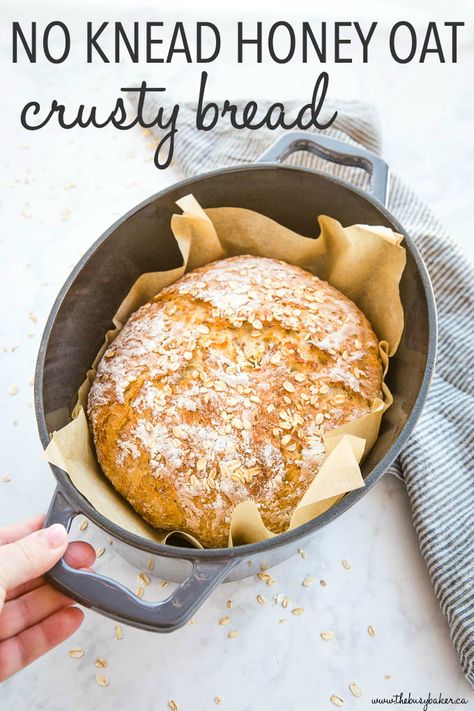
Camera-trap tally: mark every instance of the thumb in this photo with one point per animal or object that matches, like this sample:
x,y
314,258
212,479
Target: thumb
x,y
31,556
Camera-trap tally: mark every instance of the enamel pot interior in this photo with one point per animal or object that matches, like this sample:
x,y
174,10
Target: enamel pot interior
x,y
142,241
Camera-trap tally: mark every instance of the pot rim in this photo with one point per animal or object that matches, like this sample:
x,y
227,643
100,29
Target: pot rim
x,y
244,551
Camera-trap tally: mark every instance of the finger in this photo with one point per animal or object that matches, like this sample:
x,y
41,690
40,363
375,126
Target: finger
x,y
31,556
10,534
27,610
17,652
25,588
78,555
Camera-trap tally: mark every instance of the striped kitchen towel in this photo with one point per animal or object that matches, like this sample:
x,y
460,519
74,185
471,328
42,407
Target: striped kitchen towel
x,y
438,462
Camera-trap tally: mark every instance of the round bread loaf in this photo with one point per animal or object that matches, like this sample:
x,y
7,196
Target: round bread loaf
x,y
221,388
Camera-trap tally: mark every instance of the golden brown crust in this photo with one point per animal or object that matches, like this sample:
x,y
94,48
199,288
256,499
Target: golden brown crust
x,y
220,389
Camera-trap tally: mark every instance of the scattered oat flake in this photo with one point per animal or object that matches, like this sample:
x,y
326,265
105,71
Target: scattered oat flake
x,y
32,316
309,580
229,604
355,689
100,551
143,578
233,634
76,652
13,390
101,663
172,705
260,600
387,676
327,635
192,621
302,553
323,583
285,602
164,583
297,611
139,592
218,700
283,620
6,479
371,630
83,525
224,620
336,700
345,564
101,680
150,564
266,578
118,632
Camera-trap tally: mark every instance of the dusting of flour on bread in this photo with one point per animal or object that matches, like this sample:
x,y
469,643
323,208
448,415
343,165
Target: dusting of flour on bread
x,y
221,389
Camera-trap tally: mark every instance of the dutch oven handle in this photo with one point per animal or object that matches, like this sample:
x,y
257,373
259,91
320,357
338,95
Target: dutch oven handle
x,y
114,600
335,151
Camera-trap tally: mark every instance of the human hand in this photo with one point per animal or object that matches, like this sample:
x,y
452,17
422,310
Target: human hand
x,y
34,617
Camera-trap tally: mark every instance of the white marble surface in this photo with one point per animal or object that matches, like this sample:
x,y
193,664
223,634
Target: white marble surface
x,y
59,191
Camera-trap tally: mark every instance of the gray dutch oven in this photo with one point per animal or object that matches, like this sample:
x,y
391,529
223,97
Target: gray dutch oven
x,y
141,241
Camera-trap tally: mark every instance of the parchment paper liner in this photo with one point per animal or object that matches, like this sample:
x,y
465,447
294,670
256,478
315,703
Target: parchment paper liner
x,y
365,263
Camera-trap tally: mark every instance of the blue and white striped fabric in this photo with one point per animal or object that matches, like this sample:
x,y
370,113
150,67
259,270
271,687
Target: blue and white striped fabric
x,y
437,464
